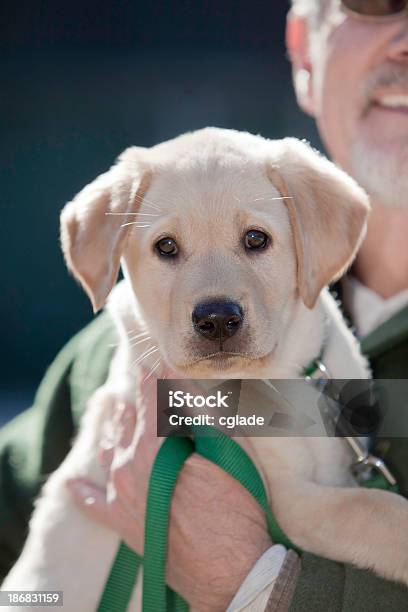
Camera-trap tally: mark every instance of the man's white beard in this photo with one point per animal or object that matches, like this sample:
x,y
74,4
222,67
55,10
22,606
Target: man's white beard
x,y
383,176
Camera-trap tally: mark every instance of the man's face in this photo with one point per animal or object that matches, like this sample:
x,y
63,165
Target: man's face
x,y
358,93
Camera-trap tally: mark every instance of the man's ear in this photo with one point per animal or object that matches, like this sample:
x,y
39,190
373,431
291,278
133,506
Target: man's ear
x,y
328,212
93,225
298,47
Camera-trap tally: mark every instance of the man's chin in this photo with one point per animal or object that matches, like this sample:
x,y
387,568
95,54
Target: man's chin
x,y
382,172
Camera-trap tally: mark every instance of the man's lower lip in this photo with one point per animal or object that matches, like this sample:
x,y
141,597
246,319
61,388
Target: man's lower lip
x,y
392,110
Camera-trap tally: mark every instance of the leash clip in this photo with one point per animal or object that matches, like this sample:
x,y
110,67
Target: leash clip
x,y
366,462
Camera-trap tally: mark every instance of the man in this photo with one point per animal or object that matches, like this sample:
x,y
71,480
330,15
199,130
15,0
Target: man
x,y
351,74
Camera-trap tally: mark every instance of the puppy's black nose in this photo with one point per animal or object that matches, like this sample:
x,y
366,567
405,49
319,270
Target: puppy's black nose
x,y
217,320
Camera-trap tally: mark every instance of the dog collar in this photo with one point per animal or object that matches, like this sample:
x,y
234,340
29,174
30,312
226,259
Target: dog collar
x,y
316,369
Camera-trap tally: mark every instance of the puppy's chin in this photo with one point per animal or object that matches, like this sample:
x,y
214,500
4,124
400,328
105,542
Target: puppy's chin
x,y
220,365
224,365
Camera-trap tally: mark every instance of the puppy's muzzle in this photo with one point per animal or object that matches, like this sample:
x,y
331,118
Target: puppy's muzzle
x,y
218,320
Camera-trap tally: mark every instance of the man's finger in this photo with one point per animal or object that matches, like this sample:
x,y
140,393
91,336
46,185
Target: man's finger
x,y
91,499
105,456
117,431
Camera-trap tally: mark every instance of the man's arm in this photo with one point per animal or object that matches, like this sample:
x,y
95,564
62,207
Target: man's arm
x,y
325,585
31,447
34,444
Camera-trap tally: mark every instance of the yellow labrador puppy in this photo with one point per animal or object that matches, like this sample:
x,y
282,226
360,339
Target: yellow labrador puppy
x,y
227,241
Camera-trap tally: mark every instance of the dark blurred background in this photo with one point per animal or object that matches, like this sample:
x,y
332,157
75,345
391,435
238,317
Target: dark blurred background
x,y
81,81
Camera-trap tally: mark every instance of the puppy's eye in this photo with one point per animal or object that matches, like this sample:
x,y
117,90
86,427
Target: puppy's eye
x,y
167,247
255,240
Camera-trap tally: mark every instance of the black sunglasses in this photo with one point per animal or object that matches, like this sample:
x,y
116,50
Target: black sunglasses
x,y
375,9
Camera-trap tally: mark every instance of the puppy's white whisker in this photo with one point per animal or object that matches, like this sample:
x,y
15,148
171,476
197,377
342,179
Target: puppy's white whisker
x,y
150,348
131,338
133,344
274,198
145,333
144,356
140,361
136,329
145,214
145,201
148,204
126,214
153,369
137,223
260,194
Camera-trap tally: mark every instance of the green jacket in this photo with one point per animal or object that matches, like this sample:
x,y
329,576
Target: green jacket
x,y
34,444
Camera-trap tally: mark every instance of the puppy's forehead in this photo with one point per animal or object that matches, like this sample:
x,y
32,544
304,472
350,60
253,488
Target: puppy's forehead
x,y
209,176
207,184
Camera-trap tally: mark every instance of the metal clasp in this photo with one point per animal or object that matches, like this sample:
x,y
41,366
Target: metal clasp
x,y
365,462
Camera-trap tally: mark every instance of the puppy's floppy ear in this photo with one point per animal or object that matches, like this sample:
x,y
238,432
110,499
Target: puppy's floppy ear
x,y
92,238
328,212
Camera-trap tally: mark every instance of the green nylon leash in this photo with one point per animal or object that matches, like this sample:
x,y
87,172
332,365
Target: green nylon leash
x,y
168,463
228,455
121,581
215,447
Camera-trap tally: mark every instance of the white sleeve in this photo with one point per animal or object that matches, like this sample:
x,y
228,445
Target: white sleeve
x,y
254,592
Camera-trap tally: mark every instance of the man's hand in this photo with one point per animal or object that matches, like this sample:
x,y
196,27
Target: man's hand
x,y
217,530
